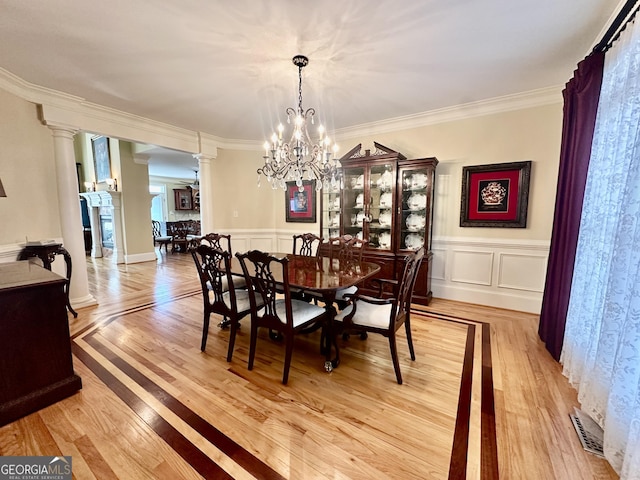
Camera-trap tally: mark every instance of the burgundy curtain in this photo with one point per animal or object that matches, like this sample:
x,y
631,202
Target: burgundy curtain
x,y
580,106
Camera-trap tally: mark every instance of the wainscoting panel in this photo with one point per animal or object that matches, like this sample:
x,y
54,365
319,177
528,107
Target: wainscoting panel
x,y
285,243
437,265
500,273
471,267
522,272
245,240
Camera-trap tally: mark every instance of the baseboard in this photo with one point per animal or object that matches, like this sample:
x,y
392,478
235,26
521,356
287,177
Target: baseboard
x,y
521,301
141,257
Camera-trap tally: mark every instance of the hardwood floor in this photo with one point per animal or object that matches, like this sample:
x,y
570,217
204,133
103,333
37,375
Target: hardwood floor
x,y
483,400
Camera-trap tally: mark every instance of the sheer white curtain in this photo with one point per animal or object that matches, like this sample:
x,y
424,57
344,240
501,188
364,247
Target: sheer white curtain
x,y
601,354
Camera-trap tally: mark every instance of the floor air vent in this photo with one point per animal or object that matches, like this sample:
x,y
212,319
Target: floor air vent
x,y
589,432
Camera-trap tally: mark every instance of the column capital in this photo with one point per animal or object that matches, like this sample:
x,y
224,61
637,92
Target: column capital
x,y
205,157
65,131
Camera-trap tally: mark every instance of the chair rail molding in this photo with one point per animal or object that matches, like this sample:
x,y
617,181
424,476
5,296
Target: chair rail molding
x,y
486,271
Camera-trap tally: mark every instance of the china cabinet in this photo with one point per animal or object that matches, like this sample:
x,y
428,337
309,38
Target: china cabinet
x,y
386,200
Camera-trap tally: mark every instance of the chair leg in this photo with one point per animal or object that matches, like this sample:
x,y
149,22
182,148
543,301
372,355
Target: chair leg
x,y
394,357
252,345
205,331
232,338
287,358
407,327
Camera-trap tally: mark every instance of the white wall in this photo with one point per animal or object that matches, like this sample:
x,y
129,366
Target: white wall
x,y
503,267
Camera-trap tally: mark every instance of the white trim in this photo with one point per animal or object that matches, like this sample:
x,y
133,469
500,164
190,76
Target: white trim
x,y
141,257
10,252
509,300
540,245
74,111
506,103
495,282
86,301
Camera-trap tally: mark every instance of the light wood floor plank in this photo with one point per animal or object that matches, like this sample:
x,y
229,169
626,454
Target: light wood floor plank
x,y
154,406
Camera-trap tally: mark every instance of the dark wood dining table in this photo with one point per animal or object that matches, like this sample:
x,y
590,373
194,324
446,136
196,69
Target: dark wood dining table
x,y
325,276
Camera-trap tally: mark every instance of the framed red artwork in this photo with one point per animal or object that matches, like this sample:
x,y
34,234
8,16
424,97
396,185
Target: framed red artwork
x,y
300,205
495,195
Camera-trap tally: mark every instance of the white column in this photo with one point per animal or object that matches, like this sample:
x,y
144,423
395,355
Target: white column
x,y
70,216
206,192
118,240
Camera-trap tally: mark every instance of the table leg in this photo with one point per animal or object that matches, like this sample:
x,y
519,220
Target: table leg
x,y
67,259
330,335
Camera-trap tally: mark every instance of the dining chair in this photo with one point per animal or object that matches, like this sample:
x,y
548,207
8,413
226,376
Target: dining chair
x,y
386,315
306,244
268,281
222,242
345,249
219,294
158,238
179,232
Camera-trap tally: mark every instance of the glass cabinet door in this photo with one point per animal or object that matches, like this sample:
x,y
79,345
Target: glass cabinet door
x,y
353,211
331,208
416,207
379,214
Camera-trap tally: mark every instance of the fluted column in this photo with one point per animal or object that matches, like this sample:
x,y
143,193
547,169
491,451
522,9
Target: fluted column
x,y
70,216
206,192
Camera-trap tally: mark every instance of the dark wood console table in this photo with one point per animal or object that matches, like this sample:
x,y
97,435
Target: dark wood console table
x,y
47,253
36,367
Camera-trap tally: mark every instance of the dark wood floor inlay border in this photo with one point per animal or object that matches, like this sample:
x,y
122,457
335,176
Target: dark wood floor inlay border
x,y
489,442
187,450
242,457
245,459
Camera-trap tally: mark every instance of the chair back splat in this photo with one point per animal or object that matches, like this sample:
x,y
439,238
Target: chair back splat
x,y
341,250
306,244
219,241
345,247
272,305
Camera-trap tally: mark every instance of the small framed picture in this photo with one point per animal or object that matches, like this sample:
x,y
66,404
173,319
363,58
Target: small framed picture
x,y
495,195
300,205
101,158
183,199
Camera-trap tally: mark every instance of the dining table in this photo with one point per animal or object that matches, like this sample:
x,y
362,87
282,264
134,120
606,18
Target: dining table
x,y
324,276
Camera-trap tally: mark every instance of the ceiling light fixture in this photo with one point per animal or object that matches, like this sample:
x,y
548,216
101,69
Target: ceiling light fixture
x,y
195,185
300,159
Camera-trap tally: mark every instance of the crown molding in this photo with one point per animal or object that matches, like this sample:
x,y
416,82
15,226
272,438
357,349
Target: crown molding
x,y
59,108
491,106
65,109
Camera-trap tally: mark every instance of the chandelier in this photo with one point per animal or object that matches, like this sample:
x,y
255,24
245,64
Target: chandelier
x,y
300,159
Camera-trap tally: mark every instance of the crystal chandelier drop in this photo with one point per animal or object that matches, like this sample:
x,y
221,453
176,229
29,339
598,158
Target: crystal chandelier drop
x,y
300,159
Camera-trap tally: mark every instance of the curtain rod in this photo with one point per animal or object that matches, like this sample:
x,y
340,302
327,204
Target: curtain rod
x,y
618,25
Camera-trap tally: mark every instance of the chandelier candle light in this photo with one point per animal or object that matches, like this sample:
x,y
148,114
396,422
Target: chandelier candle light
x,y
300,157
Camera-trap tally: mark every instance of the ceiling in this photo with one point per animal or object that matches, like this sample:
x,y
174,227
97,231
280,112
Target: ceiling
x,y
224,68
